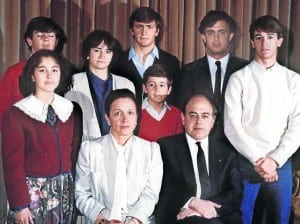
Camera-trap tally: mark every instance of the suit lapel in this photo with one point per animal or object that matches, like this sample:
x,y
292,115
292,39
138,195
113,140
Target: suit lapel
x,y
206,75
229,70
185,160
216,160
134,73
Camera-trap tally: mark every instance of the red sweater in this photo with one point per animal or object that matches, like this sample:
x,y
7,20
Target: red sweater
x,y
9,88
33,148
170,124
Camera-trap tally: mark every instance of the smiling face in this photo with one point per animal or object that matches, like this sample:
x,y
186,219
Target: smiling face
x,y
122,118
265,45
157,89
42,40
100,57
199,117
144,34
217,39
46,75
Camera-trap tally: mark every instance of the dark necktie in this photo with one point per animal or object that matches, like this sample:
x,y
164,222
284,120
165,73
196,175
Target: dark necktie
x,y
51,117
217,91
203,175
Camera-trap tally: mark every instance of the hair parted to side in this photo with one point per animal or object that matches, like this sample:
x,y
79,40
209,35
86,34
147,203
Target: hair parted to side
x,y
27,85
118,94
157,70
268,24
96,37
146,15
214,16
45,25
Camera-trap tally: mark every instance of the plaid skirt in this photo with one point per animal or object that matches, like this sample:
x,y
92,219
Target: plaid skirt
x,y
52,199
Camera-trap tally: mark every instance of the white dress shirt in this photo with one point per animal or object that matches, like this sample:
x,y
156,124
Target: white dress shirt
x,y
156,115
213,69
194,151
119,207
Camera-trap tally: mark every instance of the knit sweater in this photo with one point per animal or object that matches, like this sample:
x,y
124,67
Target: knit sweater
x,y
152,129
262,112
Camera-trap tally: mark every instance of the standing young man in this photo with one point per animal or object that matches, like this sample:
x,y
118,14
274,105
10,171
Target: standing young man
x,y
146,30
217,31
262,121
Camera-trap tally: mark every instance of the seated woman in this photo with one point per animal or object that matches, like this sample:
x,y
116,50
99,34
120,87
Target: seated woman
x,y
91,88
40,135
118,176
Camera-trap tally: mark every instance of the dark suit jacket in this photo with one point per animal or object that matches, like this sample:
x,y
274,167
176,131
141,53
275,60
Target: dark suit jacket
x,y
179,183
127,69
196,79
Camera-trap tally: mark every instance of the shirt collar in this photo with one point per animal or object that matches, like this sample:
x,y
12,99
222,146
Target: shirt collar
x,y
212,63
38,110
154,53
192,142
146,104
96,78
119,147
260,68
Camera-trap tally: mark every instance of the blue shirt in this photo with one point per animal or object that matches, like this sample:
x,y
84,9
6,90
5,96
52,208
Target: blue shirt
x,y
100,91
138,62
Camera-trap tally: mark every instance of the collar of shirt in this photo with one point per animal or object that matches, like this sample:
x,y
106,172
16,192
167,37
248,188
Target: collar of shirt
x,y
38,110
259,68
213,68
96,78
194,148
156,115
123,148
141,67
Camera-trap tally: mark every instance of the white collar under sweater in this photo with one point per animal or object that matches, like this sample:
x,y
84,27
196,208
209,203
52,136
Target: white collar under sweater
x,y
38,110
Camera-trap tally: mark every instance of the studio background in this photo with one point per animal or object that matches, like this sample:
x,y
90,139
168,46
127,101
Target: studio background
x,y
180,34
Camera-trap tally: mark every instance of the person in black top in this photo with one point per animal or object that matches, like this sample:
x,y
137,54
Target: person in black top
x,y
146,28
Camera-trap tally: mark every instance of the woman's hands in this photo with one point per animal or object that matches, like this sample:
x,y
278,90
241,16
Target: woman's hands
x,y
24,217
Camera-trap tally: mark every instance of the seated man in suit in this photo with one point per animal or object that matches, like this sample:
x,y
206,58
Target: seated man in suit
x,y
201,183
146,27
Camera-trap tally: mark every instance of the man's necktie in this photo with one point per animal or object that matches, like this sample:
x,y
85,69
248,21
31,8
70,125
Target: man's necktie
x,y
51,117
217,91
203,174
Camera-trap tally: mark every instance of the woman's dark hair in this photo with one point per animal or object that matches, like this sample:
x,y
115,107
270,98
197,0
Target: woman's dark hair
x,y
27,85
93,39
45,25
267,24
157,70
117,94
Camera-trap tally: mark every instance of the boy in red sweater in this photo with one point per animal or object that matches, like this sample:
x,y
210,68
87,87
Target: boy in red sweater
x,y
158,119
